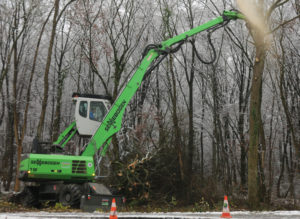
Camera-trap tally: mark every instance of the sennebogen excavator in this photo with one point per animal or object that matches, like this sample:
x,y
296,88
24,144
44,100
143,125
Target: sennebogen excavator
x,y
50,173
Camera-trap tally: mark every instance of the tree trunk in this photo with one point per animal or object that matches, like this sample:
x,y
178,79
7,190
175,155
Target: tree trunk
x,y
241,123
216,135
20,134
8,157
159,117
46,73
281,172
258,17
256,127
15,98
177,131
61,75
190,148
283,98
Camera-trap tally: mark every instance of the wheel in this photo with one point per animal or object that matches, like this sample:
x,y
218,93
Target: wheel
x,y
30,197
70,195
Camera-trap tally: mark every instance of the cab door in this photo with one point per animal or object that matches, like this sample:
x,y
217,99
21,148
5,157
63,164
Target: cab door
x,y
89,113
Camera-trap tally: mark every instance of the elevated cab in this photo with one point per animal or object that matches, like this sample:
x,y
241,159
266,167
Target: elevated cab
x,y
90,110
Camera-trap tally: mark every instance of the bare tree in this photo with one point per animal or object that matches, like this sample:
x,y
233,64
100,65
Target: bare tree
x,y
47,69
168,32
55,20
62,70
258,16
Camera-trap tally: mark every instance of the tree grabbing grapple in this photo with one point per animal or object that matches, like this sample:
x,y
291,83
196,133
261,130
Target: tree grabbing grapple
x,y
69,178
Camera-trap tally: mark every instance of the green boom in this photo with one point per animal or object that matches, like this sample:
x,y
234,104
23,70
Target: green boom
x,y
113,120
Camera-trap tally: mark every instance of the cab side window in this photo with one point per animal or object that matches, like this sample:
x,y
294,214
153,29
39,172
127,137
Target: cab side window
x,y
83,108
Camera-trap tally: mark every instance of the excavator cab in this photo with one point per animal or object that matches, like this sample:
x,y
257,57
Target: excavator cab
x,y
90,110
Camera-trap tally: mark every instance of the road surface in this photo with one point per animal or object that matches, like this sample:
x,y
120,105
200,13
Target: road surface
x,y
173,215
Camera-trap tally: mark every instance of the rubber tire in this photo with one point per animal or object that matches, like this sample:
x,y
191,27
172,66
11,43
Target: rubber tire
x,y
70,195
30,197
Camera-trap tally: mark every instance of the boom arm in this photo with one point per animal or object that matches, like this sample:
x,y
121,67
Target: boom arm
x,y
113,119
66,135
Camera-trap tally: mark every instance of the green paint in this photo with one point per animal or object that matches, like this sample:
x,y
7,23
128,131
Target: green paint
x,y
62,167
66,135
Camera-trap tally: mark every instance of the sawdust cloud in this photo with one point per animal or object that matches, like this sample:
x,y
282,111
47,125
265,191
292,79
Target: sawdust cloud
x,y
249,8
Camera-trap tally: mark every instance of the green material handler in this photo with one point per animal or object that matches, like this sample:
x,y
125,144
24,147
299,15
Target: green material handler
x,y
51,173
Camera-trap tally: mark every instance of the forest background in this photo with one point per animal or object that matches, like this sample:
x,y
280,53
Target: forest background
x,y
193,132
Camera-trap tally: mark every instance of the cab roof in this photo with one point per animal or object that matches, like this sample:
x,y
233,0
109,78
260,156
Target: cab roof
x,y
95,96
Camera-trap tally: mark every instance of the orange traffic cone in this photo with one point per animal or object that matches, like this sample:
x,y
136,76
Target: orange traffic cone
x,y
226,213
113,210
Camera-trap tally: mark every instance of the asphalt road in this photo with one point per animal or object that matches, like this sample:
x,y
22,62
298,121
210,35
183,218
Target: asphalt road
x,y
173,215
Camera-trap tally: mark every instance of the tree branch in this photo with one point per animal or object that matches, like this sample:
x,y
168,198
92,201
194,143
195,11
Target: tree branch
x,y
277,4
284,23
62,11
